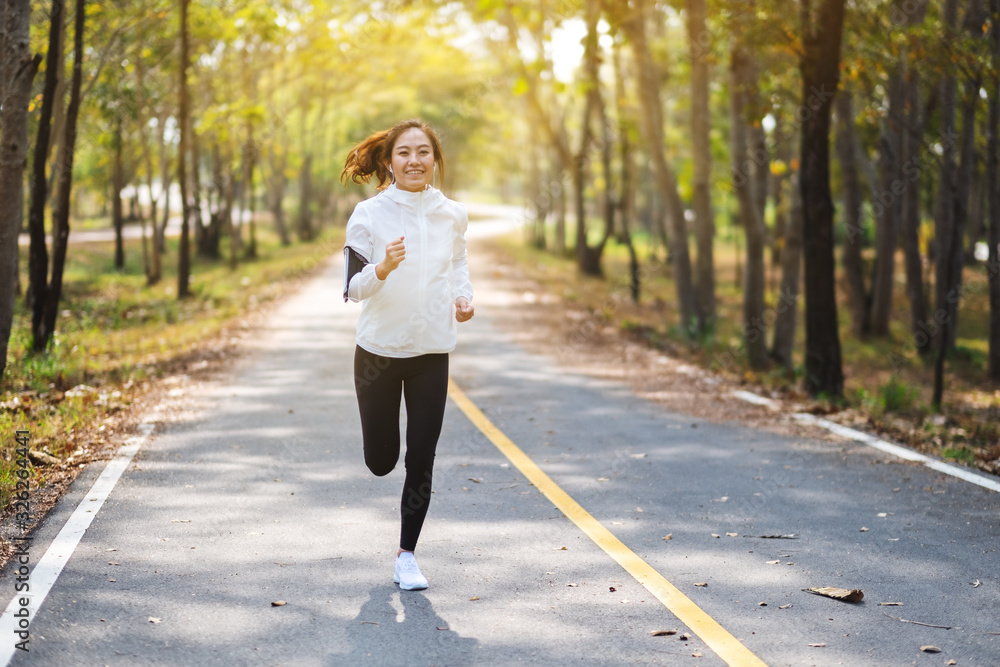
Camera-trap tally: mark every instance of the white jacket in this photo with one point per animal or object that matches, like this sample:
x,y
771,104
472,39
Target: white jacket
x,y
412,311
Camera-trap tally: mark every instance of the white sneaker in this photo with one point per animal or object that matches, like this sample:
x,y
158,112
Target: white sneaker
x,y
408,575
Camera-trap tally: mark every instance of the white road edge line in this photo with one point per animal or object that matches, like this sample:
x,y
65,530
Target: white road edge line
x,y
882,445
43,576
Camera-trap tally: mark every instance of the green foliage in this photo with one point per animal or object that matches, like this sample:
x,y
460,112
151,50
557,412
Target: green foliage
x,y
963,454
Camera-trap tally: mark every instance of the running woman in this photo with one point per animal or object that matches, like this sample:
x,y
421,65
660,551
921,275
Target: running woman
x,y
405,260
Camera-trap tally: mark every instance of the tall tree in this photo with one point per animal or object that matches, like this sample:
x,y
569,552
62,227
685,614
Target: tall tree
x,y
746,186
701,158
858,298
889,206
912,147
648,80
184,256
822,25
944,217
64,174
38,262
17,71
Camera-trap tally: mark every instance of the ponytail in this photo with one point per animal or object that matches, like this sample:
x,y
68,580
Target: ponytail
x,y
372,156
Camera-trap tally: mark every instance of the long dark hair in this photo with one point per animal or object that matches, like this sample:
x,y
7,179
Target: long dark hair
x,y
370,157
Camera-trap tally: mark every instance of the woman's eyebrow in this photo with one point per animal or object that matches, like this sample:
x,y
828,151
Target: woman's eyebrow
x,y
404,147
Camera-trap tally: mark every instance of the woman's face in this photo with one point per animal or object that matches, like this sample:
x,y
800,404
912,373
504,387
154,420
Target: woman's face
x,y
413,160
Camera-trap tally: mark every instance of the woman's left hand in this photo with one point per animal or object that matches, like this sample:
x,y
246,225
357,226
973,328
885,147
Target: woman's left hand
x,y
463,309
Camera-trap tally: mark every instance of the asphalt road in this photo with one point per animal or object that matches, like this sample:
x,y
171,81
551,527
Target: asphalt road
x,y
261,494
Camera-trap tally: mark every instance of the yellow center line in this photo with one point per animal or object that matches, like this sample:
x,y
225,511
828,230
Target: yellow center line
x,y
687,612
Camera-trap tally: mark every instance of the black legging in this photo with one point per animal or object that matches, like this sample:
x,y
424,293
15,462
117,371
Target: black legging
x,y
379,382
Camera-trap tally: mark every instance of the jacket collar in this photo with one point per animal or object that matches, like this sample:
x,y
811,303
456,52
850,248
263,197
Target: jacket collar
x,y
429,198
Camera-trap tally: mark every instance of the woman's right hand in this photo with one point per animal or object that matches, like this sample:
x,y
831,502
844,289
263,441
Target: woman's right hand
x,y
395,252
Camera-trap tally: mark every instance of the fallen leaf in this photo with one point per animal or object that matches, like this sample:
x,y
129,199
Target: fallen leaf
x,y
702,584
112,562
113,580
560,549
930,649
153,619
818,645
475,479
473,598
370,623
716,535
278,603
761,604
732,534
572,585
611,589
951,662
438,627
696,654
668,537
663,633
976,583
881,515
603,479
638,456
773,562
852,595
784,606
890,604
864,529
684,637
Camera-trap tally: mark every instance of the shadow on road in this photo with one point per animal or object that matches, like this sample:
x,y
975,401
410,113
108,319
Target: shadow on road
x,y
416,635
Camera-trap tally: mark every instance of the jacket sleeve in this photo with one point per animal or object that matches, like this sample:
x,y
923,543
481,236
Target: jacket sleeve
x,y
462,286
362,284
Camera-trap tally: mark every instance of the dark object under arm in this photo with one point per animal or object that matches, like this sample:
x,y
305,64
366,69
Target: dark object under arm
x,y
353,263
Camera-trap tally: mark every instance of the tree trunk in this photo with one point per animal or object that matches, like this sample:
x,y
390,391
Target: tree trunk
x,y
184,256
246,184
147,157
788,294
913,161
887,209
38,262
117,184
59,106
250,251
305,226
858,298
944,218
64,176
17,70
558,178
648,79
588,258
993,188
702,161
627,198
819,66
745,184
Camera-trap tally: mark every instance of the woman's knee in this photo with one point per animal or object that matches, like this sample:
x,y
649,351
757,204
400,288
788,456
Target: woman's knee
x,y
380,468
